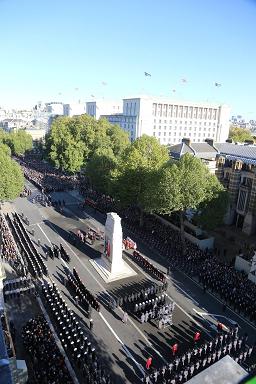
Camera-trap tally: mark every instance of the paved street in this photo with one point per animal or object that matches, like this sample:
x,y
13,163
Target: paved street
x,y
123,348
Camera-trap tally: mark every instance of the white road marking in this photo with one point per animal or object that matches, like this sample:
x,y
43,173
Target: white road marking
x,y
183,310
100,314
185,293
49,241
221,302
142,334
123,345
103,288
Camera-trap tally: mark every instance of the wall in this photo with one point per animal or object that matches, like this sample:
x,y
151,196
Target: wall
x,y
202,244
242,264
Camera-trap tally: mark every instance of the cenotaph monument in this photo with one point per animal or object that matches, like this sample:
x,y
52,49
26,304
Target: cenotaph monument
x,y
111,265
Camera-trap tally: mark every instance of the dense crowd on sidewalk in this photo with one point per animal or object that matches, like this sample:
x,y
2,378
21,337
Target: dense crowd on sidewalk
x,y
48,363
45,177
213,273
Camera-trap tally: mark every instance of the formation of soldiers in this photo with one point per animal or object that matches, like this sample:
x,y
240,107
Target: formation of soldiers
x,y
34,260
48,363
76,344
8,249
58,252
15,287
184,367
82,292
148,266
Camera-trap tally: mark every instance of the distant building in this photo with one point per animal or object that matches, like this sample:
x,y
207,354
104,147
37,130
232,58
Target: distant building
x,y
204,151
74,109
103,107
170,120
54,108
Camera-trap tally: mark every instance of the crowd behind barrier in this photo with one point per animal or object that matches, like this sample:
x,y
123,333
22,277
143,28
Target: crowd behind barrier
x,y
8,249
183,367
34,260
45,177
214,274
48,363
76,344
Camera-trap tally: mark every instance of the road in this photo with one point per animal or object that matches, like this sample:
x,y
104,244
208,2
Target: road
x,y
123,348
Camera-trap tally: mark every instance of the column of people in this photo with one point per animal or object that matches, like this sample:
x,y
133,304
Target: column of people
x,y
184,367
77,345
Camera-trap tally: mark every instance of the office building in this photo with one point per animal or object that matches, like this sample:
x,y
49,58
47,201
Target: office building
x,y
103,107
170,120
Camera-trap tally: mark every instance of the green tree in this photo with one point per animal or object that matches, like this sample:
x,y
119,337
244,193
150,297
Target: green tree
x,y
5,149
133,177
239,135
11,178
65,150
100,168
85,133
19,142
183,185
210,214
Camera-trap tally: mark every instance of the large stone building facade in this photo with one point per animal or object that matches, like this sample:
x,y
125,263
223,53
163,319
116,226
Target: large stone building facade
x,y
235,167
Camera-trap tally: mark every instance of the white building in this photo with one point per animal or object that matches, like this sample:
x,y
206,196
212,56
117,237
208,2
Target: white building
x,y
54,108
103,107
74,109
171,120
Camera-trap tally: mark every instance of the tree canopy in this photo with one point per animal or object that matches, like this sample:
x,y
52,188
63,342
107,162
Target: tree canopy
x,y
11,178
85,135
19,141
240,135
138,164
185,184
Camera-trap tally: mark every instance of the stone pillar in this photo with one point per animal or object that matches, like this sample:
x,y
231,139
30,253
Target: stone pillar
x,y
113,247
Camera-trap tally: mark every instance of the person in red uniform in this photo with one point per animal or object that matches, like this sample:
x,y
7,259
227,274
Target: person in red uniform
x,y
149,363
197,336
174,349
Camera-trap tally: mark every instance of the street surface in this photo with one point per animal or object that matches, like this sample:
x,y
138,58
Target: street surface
x,y
124,348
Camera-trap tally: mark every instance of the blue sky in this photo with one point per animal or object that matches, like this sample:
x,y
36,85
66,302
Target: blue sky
x,y
54,46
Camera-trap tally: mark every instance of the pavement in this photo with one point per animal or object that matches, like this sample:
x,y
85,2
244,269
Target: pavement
x,y
123,348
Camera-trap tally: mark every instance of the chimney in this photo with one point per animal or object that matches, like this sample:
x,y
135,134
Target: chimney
x,y
229,141
248,142
209,141
186,141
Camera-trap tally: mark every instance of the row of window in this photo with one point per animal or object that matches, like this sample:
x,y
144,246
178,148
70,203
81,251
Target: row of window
x,y
185,122
184,111
182,134
185,128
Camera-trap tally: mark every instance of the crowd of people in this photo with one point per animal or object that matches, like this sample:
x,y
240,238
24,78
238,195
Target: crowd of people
x,y
58,252
78,347
148,266
48,363
183,367
148,292
45,177
8,249
83,294
34,260
26,192
16,287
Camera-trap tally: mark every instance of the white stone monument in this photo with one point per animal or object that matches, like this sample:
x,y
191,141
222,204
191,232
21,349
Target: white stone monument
x,y
111,265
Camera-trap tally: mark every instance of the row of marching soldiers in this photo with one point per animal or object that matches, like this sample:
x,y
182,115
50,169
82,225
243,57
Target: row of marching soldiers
x,y
184,367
